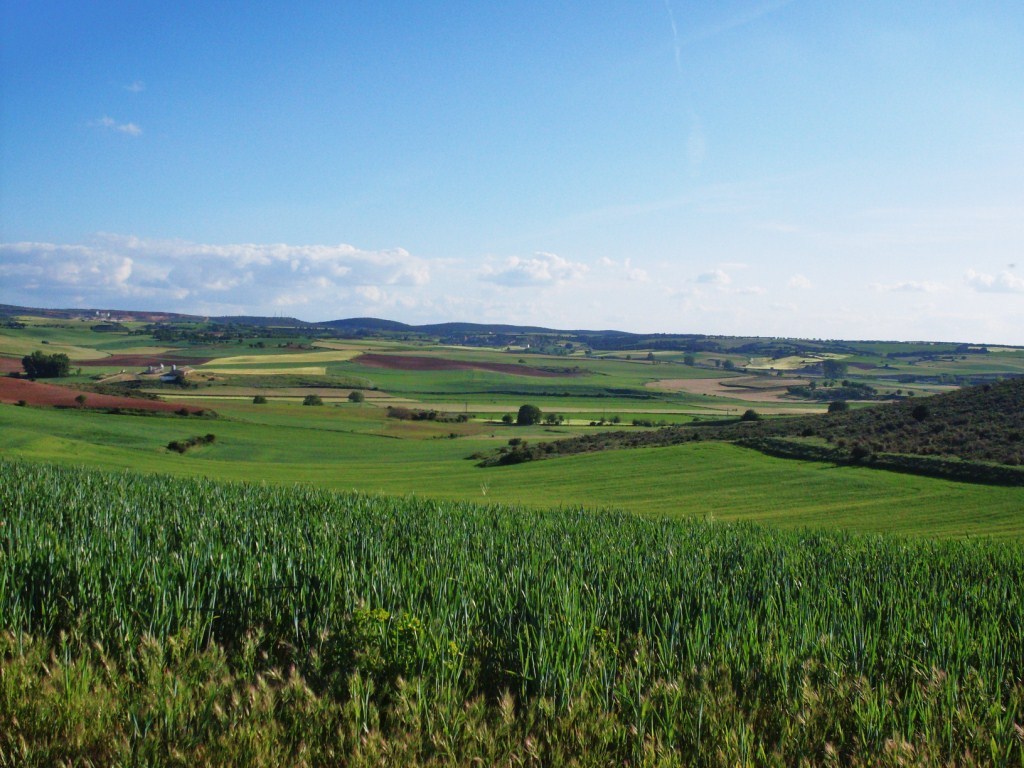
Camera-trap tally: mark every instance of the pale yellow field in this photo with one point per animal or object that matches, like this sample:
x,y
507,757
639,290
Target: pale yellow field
x,y
309,370
330,356
790,363
350,346
142,351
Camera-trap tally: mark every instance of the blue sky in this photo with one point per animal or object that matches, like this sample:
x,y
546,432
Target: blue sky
x,y
840,170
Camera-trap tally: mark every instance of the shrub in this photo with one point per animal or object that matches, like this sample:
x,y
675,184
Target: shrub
x,y
528,414
838,406
859,452
750,415
920,412
312,400
259,400
355,396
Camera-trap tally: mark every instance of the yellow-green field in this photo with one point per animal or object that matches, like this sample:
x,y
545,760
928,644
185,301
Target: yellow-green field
x,y
17,346
307,370
291,358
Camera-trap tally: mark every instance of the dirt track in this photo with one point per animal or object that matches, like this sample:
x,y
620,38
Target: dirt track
x,y
37,393
415,363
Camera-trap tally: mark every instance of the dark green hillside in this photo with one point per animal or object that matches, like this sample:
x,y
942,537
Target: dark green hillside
x,y
984,423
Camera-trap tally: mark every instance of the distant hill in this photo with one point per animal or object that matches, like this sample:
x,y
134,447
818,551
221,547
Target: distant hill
x,y
355,324
538,338
258,321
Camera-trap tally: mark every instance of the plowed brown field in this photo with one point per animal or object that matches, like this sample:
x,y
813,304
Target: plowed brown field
x,y
10,365
416,363
37,393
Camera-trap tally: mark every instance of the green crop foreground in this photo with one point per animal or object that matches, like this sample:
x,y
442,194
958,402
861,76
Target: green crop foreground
x,y
151,620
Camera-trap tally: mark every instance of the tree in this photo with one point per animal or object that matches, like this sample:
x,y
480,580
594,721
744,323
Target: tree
x,y
42,366
508,418
355,396
833,369
312,400
729,365
689,359
838,406
528,414
750,415
80,399
259,400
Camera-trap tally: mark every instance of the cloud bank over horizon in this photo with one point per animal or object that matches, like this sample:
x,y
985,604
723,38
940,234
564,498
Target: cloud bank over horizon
x,y
322,282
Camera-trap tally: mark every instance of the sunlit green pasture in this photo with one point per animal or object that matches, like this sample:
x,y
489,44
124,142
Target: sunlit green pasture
x,y
350,447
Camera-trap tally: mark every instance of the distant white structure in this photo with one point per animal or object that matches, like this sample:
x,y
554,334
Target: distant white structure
x,y
175,375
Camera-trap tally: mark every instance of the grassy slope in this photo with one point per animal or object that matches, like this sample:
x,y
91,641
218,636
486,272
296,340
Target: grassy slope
x,y
345,450
983,423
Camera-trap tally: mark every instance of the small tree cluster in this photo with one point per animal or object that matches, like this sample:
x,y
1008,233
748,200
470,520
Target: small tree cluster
x,y
42,366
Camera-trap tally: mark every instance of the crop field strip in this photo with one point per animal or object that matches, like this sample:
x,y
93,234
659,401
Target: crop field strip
x,y
349,447
764,646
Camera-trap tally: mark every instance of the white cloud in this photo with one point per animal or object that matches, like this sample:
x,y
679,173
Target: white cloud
x,y
1004,282
114,267
540,269
909,286
136,86
110,124
371,293
716,277
626,268
800,283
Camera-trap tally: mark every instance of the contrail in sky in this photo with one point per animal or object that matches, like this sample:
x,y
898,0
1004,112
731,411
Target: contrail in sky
x,y
675,37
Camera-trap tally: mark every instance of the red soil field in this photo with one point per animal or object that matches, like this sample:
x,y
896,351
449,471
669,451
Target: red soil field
x,y
10,365
36,393
414,363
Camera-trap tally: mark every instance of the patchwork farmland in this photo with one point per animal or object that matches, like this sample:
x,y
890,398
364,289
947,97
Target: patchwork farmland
x,y
327,565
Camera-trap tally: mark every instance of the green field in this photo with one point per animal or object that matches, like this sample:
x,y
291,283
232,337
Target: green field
x,y
342,445
159,621
354,447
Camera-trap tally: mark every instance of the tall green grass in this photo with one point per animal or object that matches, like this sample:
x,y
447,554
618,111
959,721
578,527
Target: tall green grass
x,y
692,641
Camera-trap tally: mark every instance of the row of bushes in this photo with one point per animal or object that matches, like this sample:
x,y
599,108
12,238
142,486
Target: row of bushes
x,y
408,414
861,453
180,446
